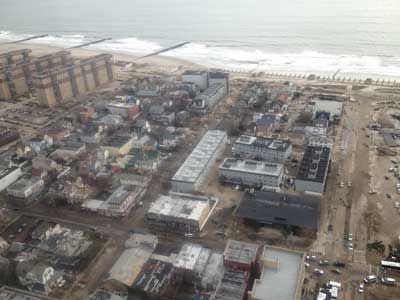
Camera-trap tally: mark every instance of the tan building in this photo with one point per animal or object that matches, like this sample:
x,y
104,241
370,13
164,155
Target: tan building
x,y
118,145
59,85
282,275
16,78
15,57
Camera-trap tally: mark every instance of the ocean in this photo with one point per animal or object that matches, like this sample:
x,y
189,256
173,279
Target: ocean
x,y
301,36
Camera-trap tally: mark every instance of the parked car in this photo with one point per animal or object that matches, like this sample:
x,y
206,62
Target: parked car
x,y
311,257
397,204
350,237
350,247
388,280
336,271
370,279
361,288
339,264
323,262
318,271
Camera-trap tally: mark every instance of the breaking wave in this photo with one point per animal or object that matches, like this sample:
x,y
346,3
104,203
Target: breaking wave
x,y
235,58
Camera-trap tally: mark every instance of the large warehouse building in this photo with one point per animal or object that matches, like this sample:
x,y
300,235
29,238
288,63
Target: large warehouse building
x,y
252,173
193,171
271,150
181,212
278,209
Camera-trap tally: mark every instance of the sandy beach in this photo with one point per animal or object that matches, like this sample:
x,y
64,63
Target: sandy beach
x,y
156,61
168,63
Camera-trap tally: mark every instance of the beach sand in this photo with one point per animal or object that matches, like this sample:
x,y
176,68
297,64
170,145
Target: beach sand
x,y
164,63
156,61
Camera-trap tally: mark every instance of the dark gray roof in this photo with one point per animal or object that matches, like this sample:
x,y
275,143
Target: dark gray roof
x,y
315,163
278,208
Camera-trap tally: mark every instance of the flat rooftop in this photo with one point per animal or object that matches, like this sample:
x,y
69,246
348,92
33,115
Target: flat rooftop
x,y
180,206
194,72
194,165
232,286
122,192
153,277
212,90
24,183
6,172
129,265
252,167
117,141
241,252
281,275
277,208
188,256
315,163
262,142
121,105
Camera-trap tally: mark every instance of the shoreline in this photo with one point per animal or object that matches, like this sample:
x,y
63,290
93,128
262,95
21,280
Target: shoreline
x,y
169,62
43,49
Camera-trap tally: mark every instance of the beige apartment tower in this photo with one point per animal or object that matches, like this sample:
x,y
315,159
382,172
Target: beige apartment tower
x,y
16,78
59,85
15,57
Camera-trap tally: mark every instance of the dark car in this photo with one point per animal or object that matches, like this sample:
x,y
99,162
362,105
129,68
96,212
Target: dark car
x,y
339,264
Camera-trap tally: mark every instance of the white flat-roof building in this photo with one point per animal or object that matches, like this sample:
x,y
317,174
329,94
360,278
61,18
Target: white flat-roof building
x,y
281,277
320,141
199,264
200,78
268,149
193,171
25,187
137,251
119,203
252,173
9,176
210,96
334,108
181,212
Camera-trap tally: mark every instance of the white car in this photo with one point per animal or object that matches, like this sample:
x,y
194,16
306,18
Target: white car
x,y
341,184
397,204
370,279
319,271
311,257
188,235
361,288
350,247
350,237
388,280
